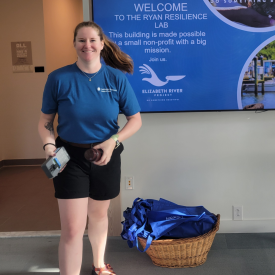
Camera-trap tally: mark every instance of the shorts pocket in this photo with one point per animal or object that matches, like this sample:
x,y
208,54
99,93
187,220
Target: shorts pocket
x,y
119,149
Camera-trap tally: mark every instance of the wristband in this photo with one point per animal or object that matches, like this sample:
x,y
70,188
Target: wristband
x,y
115,138
48,144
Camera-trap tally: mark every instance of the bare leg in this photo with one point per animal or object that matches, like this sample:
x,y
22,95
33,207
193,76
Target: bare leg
x,y
98,229
73,217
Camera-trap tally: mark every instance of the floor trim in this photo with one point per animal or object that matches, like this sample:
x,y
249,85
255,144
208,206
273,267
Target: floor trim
x,y
20,162
20,234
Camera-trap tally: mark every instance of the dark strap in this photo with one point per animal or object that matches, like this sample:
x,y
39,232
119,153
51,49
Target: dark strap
x,y
81,145
48,144
107,267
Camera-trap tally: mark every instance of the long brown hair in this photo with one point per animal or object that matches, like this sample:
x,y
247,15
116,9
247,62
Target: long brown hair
x,y
111,53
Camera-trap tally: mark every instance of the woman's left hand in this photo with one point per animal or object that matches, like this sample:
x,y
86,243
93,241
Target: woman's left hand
x,y
107,147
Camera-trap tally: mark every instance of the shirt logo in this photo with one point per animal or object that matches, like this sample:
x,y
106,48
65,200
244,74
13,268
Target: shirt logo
x,y
107,90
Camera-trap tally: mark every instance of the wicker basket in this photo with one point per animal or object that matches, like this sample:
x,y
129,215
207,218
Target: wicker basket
x,y
186,252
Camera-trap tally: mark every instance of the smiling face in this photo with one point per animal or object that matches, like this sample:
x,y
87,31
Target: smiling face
x,y
88,45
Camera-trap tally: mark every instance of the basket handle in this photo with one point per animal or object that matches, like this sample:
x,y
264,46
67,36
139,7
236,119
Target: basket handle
x,y
148,243
133,237
133,232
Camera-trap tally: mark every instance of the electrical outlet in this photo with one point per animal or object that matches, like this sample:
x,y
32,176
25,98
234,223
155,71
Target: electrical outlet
x,y
237,213
129,181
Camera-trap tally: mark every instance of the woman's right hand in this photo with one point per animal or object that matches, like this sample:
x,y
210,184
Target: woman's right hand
x,y
50,151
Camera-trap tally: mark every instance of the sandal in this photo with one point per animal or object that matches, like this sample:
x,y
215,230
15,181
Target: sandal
x,y
107,267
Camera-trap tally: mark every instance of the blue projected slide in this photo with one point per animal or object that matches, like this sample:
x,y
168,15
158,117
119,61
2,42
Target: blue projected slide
x,y
195,55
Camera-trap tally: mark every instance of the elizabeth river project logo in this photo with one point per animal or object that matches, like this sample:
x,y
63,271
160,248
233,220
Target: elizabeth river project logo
x,y
154,80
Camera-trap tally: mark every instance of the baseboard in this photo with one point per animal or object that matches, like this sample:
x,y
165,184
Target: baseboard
x,y
247,226
53,233
20,162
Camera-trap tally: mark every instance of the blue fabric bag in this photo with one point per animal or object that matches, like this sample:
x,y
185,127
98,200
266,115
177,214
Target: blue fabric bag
x,y
152,219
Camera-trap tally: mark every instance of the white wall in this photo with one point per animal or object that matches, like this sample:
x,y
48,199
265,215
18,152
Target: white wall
x,y
214,159
86,4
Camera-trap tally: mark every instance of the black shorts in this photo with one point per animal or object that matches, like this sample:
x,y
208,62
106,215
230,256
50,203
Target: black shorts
x,y
82,178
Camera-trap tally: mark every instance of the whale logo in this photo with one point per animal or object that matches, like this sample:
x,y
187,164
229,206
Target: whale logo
x,y
154,80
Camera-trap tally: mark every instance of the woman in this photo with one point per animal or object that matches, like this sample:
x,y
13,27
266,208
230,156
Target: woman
x,y
88,96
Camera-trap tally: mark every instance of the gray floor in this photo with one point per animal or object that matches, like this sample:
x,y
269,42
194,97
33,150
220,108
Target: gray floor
x,y
231,254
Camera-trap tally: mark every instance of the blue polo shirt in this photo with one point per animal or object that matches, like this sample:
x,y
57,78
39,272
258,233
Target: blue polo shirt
x,y
88,110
